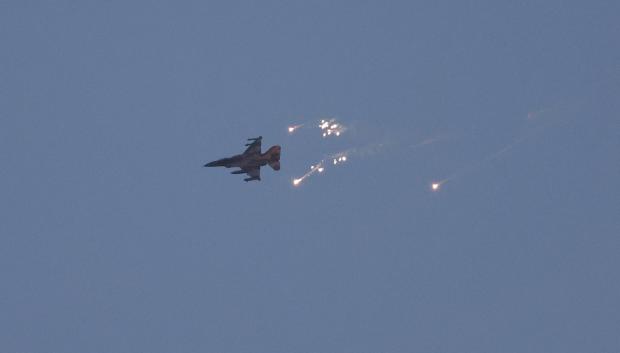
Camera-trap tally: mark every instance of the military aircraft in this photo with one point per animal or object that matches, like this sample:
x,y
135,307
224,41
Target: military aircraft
x,y
251,160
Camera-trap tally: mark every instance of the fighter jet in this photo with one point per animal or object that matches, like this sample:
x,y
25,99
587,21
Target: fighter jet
x,y
251,160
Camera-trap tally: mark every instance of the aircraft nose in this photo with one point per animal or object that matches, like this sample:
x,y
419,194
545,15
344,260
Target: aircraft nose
x,y
210,164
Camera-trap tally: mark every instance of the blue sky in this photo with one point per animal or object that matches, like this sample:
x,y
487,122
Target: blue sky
x,y
115,239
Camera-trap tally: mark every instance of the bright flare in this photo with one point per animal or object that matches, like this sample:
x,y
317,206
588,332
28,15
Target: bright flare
x,y
331,127
435,186
313,169
292,128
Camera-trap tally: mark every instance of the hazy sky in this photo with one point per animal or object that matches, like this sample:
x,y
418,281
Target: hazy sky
x,y
113,238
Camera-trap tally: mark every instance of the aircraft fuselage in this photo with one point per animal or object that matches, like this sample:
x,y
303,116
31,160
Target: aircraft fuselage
x,y
241,161
248,160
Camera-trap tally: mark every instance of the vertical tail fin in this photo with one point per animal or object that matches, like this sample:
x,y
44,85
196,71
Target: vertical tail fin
x,y
273,154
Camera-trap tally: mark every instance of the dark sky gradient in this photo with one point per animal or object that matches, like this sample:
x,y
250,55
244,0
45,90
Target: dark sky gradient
x,y
115,239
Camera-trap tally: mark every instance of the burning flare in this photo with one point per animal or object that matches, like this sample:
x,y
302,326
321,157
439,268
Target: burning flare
x,y
331,127
292,128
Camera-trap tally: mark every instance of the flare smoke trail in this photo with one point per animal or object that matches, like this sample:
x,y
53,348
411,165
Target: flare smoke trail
x,y
329,127
435,186
293,128
535,114
318,168
339,158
